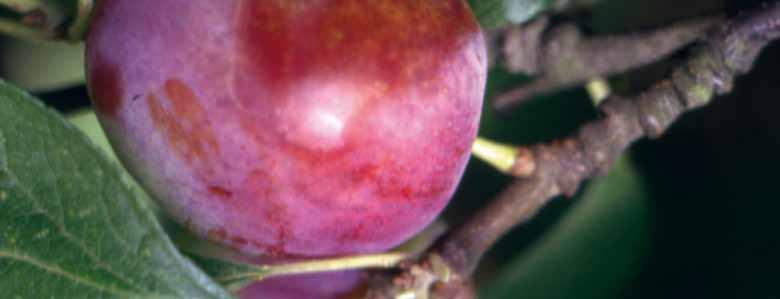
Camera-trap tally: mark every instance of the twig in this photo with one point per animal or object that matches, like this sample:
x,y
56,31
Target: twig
x,y
562,57
561,166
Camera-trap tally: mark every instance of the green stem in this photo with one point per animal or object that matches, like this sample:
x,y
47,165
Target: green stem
x,y
599,90
501,156
369,261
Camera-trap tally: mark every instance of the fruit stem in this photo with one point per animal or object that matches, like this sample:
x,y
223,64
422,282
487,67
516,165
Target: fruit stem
x,y
368,261
501,156
376,261
599,90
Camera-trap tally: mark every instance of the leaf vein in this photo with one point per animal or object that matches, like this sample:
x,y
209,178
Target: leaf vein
x,y
65,233
63,273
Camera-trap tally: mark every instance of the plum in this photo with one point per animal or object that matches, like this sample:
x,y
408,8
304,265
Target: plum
x,y
330,285
296,128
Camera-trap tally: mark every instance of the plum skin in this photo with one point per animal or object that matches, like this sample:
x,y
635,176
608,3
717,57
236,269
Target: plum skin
x,y
291,127
330,285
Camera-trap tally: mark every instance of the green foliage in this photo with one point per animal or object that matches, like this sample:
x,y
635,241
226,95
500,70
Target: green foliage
x,y
234,276
496,13
70,227
87,122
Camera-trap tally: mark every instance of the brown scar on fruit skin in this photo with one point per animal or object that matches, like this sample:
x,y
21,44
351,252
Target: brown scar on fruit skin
x,y
107,88
241,242
185,125
218,235
356,293
220,191
184,102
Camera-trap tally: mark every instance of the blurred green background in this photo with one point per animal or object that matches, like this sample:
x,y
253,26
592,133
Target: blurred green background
x,y
690,215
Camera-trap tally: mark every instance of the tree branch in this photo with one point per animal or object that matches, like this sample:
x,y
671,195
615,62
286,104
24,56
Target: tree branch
x,y
561,166
561,57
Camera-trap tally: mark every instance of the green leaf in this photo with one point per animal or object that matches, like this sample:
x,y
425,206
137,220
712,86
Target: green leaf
x,y
69,226
497,13
592,253
227,266
233,276
87,122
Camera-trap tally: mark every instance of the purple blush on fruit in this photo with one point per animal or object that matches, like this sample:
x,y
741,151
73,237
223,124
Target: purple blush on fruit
x,y
291,128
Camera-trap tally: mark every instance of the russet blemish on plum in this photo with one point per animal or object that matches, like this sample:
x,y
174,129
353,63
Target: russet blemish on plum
x,y
327,127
